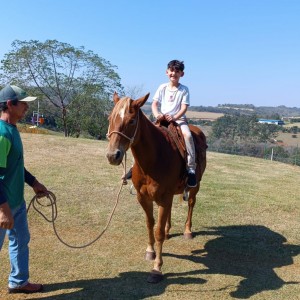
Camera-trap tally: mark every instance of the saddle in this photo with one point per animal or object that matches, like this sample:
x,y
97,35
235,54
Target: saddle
x,y
173,129
173,133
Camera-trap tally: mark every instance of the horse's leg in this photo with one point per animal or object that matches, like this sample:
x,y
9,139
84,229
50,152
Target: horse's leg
x,y
191,203
148,208
168,226
163,213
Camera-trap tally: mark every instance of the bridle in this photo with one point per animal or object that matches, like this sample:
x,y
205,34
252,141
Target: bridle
x,y
131,140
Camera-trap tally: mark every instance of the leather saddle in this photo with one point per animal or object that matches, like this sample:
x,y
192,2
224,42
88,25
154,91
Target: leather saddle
x,y
173,130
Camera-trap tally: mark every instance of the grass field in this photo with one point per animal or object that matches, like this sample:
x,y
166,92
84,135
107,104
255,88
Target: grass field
x,y
288,139
292,124
203,115
246,226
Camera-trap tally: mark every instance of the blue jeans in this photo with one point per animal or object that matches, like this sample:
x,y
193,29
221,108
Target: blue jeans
x,y
18,247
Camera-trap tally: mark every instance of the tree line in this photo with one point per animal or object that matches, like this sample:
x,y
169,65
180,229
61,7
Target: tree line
x,y
243,135
266,112
73,86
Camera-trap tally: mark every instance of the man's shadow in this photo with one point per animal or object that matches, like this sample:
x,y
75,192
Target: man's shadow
x,y
127,285
250,251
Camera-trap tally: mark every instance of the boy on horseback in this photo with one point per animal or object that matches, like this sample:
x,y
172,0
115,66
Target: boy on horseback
x,y
174,99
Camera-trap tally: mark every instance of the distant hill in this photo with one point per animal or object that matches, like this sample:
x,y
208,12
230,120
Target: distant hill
x,y
282,110
247,109
191,114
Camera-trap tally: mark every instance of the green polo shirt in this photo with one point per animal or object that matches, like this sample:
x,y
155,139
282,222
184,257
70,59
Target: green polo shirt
x,y
11,165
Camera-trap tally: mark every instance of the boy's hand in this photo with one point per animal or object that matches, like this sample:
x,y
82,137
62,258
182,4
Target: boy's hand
x,y
159,117
169,118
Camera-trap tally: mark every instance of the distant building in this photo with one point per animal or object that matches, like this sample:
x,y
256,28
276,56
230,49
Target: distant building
x,y
268,121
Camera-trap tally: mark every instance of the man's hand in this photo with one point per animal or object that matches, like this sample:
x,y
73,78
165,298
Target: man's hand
x,y
6,218
40,189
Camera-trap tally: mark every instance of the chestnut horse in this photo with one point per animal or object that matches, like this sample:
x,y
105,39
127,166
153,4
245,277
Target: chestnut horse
x,y
159,171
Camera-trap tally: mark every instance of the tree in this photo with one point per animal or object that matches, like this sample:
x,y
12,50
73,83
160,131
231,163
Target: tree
x,y
60,73
225,127
90,116
294,129
134,92
243,128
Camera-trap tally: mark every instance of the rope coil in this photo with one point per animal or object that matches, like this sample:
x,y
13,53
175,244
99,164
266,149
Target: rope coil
x,y
35,202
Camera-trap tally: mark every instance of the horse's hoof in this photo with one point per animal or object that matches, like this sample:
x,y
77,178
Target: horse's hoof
x,y
188,236
167,236
150,255
155,277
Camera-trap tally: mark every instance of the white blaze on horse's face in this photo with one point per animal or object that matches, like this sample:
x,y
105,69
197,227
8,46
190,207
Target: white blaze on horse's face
x,y
118,145
120,109
122,113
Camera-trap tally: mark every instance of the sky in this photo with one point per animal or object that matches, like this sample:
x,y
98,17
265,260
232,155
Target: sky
x,y
235,51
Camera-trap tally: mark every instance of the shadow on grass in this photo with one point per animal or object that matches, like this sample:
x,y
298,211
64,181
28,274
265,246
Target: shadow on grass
x,y
128,285
251,252
248,251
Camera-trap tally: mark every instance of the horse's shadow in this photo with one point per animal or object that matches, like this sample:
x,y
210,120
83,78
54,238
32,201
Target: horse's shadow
x,y
250,251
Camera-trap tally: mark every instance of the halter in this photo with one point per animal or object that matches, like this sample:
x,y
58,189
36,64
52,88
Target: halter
x,y
131,140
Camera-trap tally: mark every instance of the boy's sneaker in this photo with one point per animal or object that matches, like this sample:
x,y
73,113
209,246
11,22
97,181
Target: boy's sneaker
x,y
192,181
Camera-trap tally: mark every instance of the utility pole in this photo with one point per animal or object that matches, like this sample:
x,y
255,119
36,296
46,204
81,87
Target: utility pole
x,y
38,114
37,118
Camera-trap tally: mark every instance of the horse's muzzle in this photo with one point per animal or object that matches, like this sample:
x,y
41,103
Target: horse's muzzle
x,y
115,157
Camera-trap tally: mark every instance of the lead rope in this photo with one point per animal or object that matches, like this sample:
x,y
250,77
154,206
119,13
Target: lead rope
x,y
52,199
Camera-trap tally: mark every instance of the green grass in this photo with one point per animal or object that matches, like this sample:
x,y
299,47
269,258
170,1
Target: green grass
x,y
246,225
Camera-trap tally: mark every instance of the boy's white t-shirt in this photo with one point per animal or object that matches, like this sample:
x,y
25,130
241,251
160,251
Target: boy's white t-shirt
x,y
171,100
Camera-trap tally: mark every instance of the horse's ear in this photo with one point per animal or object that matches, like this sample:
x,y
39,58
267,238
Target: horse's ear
x,y
141,101
116,97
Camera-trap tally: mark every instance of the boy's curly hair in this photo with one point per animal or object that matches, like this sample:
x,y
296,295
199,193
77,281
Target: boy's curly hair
x,y
176,64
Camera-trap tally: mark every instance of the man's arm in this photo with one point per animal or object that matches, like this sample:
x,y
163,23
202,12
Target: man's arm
x,y
2,196
38,188
29,178
6,218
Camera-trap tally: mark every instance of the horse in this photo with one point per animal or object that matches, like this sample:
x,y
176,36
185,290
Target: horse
x,y
159,171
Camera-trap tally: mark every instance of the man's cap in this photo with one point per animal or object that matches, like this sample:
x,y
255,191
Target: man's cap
x,y
13,92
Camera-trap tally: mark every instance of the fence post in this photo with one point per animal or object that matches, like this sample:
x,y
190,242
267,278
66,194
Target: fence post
x,y
272,155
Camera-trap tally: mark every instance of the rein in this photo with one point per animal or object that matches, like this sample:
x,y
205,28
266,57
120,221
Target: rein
x,y
131,140
52,199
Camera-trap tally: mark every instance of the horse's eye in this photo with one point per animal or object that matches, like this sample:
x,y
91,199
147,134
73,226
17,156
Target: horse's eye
x,y
132,122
